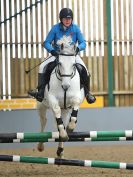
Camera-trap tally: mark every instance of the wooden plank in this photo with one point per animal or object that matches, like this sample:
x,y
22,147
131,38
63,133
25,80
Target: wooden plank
x,y
21,77
95,73
131,79
105,70
0,72
14,104
126,64
121,78
100,74
89,66
27,76
116,78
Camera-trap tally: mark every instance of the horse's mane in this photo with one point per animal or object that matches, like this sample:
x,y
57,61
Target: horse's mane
x,y
68,45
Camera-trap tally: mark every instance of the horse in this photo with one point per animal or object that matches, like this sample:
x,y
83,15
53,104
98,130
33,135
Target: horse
x,y
63,95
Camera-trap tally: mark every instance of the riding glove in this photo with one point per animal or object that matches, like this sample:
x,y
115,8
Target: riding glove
x,y
54,53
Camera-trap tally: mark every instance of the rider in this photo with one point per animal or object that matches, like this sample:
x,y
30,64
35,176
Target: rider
x,y
65,29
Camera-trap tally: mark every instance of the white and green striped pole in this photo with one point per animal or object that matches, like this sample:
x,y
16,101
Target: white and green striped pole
x,y
56,161
54,135
21,135
70,140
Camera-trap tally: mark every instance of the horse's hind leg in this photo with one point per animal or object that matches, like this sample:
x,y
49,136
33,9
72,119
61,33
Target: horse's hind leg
x,y
60,150
42,113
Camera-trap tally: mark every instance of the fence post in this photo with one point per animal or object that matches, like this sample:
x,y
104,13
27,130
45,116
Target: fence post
x,y
109,51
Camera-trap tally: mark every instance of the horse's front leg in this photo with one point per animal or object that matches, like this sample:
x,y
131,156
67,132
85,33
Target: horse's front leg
x,y
57,112
73,118
60,125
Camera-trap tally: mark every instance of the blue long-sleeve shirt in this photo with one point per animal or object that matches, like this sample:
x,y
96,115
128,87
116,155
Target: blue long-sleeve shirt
x,y
57,33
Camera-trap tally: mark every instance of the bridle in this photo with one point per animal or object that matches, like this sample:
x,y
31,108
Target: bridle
x,y
60,76
57,69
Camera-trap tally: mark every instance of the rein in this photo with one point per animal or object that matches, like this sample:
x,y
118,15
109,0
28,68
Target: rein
x,y
60,76
65,54
57,70
65,100
64,75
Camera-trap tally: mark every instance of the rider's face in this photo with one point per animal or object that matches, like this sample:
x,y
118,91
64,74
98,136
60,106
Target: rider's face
x,y
67,21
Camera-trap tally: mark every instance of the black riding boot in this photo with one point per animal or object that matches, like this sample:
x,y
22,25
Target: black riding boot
x,y
41,86
89,97
43,79
85,81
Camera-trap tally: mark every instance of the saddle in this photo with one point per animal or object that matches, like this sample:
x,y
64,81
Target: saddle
x,y
51,66
80,68
48,70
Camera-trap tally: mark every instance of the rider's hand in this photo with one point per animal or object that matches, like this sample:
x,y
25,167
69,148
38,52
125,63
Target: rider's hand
x,y
77,50
54,53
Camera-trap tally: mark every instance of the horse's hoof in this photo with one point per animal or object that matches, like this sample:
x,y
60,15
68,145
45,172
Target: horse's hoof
x,y
60,153
40,147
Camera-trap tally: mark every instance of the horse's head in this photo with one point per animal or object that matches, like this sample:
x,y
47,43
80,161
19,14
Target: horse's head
x,y
68,49
66,68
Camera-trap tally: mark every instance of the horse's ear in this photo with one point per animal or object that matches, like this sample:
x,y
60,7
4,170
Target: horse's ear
x,y
74,47
62,46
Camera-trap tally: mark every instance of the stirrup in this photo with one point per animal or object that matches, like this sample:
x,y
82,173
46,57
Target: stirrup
x,y
35,95
32,93
90,98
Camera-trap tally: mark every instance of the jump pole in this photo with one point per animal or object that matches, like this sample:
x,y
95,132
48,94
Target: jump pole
x,y
57,161
53,135
70,140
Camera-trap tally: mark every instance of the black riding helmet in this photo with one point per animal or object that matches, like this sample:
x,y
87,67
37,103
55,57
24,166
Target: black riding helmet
x,y
65,13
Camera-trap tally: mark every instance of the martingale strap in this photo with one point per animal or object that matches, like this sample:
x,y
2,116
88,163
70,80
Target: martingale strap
x,y
65,100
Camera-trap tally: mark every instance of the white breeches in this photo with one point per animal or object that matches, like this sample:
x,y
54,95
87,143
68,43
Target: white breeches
x,y
52,58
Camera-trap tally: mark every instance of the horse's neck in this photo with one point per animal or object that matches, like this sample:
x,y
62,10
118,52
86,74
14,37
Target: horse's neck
x,y
67,50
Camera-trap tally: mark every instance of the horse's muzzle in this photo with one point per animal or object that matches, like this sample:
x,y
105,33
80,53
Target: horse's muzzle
x,y
65,86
